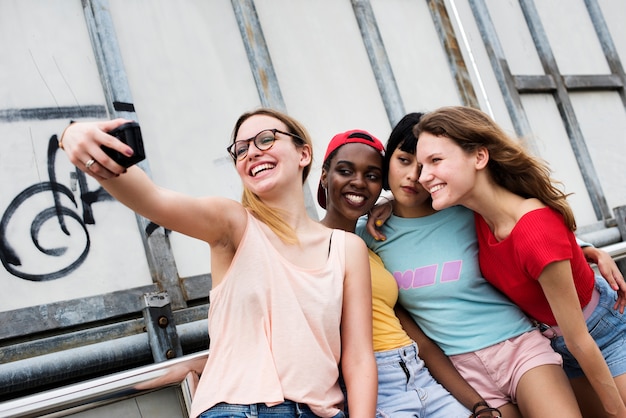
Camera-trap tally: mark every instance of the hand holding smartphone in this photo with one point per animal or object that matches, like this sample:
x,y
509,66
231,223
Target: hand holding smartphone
x,y
130,134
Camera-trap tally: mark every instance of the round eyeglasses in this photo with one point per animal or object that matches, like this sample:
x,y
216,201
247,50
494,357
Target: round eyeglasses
x,y
264,140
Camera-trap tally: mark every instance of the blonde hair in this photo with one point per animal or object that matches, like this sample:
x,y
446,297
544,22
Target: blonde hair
x,y
510,165
273,217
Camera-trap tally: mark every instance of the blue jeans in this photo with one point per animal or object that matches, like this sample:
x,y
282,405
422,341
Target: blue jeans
x,y
607,327
407,389
287,409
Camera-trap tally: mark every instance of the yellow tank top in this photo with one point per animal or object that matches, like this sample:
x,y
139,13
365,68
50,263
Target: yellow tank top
x,y
387,330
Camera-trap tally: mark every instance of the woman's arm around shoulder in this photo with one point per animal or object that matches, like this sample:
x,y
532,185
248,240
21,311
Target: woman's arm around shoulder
x,y
558,286
377,216
609,270
357,352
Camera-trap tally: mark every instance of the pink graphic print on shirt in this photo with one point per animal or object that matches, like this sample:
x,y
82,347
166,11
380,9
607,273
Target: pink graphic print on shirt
x,y
427,275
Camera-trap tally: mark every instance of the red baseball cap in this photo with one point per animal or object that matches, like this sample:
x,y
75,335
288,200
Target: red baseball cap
x,y
354,136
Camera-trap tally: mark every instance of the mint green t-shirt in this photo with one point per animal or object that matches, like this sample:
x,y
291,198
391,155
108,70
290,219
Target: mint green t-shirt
x,y
434,260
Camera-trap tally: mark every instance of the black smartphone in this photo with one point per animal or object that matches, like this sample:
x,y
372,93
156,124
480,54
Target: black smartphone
x,y
130,134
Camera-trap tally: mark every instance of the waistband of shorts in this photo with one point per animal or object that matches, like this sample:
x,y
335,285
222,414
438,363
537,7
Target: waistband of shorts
x,y
397,353
553,331
261,408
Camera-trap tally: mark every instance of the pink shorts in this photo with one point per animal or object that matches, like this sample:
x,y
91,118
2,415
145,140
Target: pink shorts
x,y
495,371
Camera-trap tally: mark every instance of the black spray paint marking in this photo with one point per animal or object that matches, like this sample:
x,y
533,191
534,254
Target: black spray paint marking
x,y
10,259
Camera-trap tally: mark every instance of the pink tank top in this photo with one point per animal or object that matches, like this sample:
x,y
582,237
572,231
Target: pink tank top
x,y
274,329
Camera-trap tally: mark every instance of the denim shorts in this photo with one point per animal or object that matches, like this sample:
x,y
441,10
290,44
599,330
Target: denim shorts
x,y
287,409
406,388
607,327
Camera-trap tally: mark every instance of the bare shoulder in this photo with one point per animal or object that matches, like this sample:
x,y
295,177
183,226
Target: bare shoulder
x,y
531,204
356,252
354,242
523,206
357,281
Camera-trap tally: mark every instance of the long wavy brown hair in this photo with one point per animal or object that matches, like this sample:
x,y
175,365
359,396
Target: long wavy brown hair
x,y
273,217
510,165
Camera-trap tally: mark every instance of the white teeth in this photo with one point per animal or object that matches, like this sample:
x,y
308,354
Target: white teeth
x,y
260,168
436,188
355,198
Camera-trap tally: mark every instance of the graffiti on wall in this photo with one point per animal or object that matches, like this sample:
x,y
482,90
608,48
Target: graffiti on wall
x,y
57,218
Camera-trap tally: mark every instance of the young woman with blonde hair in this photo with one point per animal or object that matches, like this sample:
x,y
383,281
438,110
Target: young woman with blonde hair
x,y
287,303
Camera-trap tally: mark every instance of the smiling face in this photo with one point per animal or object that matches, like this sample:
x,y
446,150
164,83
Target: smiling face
x,y
263,170
410,198
448,172
353,182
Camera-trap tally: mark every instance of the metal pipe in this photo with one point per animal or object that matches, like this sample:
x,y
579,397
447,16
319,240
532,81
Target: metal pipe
x,y
94,393
70,365
602,238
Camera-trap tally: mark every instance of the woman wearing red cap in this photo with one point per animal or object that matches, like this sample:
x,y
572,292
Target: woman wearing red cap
x,y
287,301
351,181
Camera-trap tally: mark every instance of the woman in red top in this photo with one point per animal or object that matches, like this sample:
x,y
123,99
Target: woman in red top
x,y
528,248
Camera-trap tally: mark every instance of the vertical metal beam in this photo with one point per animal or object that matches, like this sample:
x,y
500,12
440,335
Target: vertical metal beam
x,y
620,217
161,328
449,42
503,73
566,109
262,69
109,59
608,47
119,103
258,54
379,60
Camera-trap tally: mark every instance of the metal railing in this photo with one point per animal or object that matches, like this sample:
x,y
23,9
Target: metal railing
x,y
113,388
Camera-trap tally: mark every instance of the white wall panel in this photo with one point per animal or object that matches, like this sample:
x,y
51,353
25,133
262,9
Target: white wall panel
x,y
573,40
46,66
603,123
476,58
46,63
516,40
190,79
614,12
417,57
323,70
554,147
